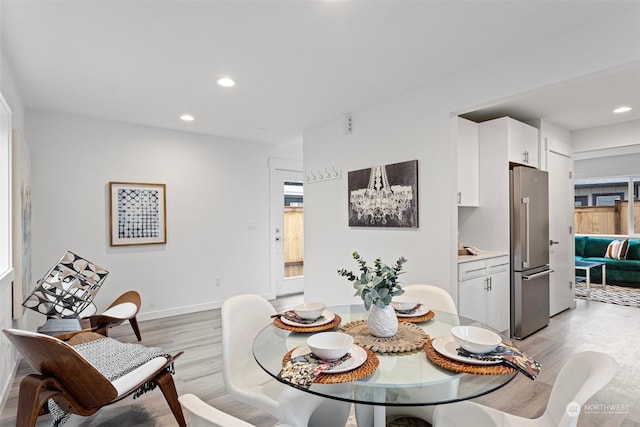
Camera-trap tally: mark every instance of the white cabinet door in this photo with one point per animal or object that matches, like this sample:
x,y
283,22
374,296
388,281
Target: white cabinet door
x,y
497,294
468,163
483,291
471,298
522,143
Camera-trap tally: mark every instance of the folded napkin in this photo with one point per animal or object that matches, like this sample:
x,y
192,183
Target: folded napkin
x,y
413,310
292,316
302,371
509,355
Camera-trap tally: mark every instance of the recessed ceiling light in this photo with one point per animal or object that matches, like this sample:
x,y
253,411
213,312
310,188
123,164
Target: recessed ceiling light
x,y
226,82
187,118
623,109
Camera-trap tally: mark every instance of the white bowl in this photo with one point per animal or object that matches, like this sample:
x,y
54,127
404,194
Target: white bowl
x,y
402,303
330,345
309,310
475,339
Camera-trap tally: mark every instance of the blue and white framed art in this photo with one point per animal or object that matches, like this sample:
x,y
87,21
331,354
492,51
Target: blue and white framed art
x,y
138,213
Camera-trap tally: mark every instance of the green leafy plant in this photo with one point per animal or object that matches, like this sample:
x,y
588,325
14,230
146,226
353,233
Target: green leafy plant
x,y
377,284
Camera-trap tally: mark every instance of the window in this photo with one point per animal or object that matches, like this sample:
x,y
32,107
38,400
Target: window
x,y
607,206
606,199
581,201
293,229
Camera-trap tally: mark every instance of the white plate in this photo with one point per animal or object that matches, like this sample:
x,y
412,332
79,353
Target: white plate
x,y
421,311
358,357
447,346
328,317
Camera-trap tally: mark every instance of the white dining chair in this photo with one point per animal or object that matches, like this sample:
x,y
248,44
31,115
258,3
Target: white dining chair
x,y
201,414
243,316
582,376
434,298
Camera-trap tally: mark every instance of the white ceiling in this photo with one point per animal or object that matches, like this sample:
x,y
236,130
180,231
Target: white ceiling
x,y
297,63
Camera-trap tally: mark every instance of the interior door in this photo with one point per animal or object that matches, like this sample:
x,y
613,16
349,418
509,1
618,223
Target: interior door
x,y
561,291
287,228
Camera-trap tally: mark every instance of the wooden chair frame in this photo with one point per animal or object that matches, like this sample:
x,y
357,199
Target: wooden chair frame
x,y
101,323
71,381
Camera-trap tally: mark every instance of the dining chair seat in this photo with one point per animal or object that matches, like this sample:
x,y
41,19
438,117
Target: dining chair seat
x,y
583,375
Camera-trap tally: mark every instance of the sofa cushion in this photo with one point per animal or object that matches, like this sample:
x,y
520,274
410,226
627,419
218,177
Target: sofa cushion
x,y
581,241
634,250
596,247
617,249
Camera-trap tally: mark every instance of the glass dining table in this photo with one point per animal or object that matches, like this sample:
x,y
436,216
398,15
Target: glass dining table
x,y
400,379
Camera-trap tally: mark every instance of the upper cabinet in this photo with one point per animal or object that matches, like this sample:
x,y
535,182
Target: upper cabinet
x,y
468,161
520,139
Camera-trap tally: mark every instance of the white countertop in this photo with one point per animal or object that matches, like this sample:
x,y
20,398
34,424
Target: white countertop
x,y
483,255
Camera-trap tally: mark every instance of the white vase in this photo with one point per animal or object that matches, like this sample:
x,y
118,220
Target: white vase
x,y
382,322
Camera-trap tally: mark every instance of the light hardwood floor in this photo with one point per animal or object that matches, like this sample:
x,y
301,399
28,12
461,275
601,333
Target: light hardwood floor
x,y
591,326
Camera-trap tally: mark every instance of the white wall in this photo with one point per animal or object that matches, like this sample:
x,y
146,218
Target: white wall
x,y
626,134
9,362
607,151
217,210
416,126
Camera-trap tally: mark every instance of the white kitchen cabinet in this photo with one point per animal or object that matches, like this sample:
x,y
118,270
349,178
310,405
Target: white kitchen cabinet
x,y
468,163
519,139
483,291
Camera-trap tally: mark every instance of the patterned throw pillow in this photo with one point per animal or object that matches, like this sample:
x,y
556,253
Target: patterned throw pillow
x,y
617,249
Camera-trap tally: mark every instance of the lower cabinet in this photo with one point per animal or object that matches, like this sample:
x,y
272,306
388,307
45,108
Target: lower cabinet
x,y
483,291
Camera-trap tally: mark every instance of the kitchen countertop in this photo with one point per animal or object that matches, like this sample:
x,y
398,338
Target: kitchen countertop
x,y
483,255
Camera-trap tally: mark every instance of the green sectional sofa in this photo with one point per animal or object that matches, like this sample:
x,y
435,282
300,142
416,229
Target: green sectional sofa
x,y
624,272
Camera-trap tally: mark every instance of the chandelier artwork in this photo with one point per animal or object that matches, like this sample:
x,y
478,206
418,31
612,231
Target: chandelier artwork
x,y
384,202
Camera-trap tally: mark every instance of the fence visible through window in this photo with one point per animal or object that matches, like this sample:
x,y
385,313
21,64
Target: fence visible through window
x,y
293,229
602,206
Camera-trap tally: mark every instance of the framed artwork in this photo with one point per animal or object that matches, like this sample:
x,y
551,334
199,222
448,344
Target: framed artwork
x,y
384,196
138,213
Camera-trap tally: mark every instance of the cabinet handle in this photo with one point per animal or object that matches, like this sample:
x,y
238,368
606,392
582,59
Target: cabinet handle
x,y
486,284
490,283
525,156
459,197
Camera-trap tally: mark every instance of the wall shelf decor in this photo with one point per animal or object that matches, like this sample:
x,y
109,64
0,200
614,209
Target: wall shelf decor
x,y
384,196
138,213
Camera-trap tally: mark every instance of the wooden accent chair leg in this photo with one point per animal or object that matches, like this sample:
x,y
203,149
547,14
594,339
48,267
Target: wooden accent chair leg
x,y
164,380
32,399
134,324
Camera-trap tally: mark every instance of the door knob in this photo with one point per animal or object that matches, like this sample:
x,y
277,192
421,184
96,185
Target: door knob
x,y
553,242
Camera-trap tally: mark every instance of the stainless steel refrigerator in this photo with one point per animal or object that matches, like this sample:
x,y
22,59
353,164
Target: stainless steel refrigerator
x,y
529,250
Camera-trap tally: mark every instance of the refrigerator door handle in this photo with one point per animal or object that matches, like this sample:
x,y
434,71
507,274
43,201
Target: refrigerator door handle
x,y
535,276
526,261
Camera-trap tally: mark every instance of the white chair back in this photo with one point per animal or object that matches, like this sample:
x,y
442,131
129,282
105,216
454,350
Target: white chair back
x,y
582,376
243,316
432,296
202,414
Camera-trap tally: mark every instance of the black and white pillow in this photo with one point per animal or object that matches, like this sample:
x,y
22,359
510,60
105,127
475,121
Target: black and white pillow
x,y
617,249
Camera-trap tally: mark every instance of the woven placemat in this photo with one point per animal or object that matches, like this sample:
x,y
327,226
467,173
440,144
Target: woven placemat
x,y
362,371
461,367
409,337
417,319
280,324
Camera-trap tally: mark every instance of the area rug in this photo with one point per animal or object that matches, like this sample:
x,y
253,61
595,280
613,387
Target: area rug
x,y
611,294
